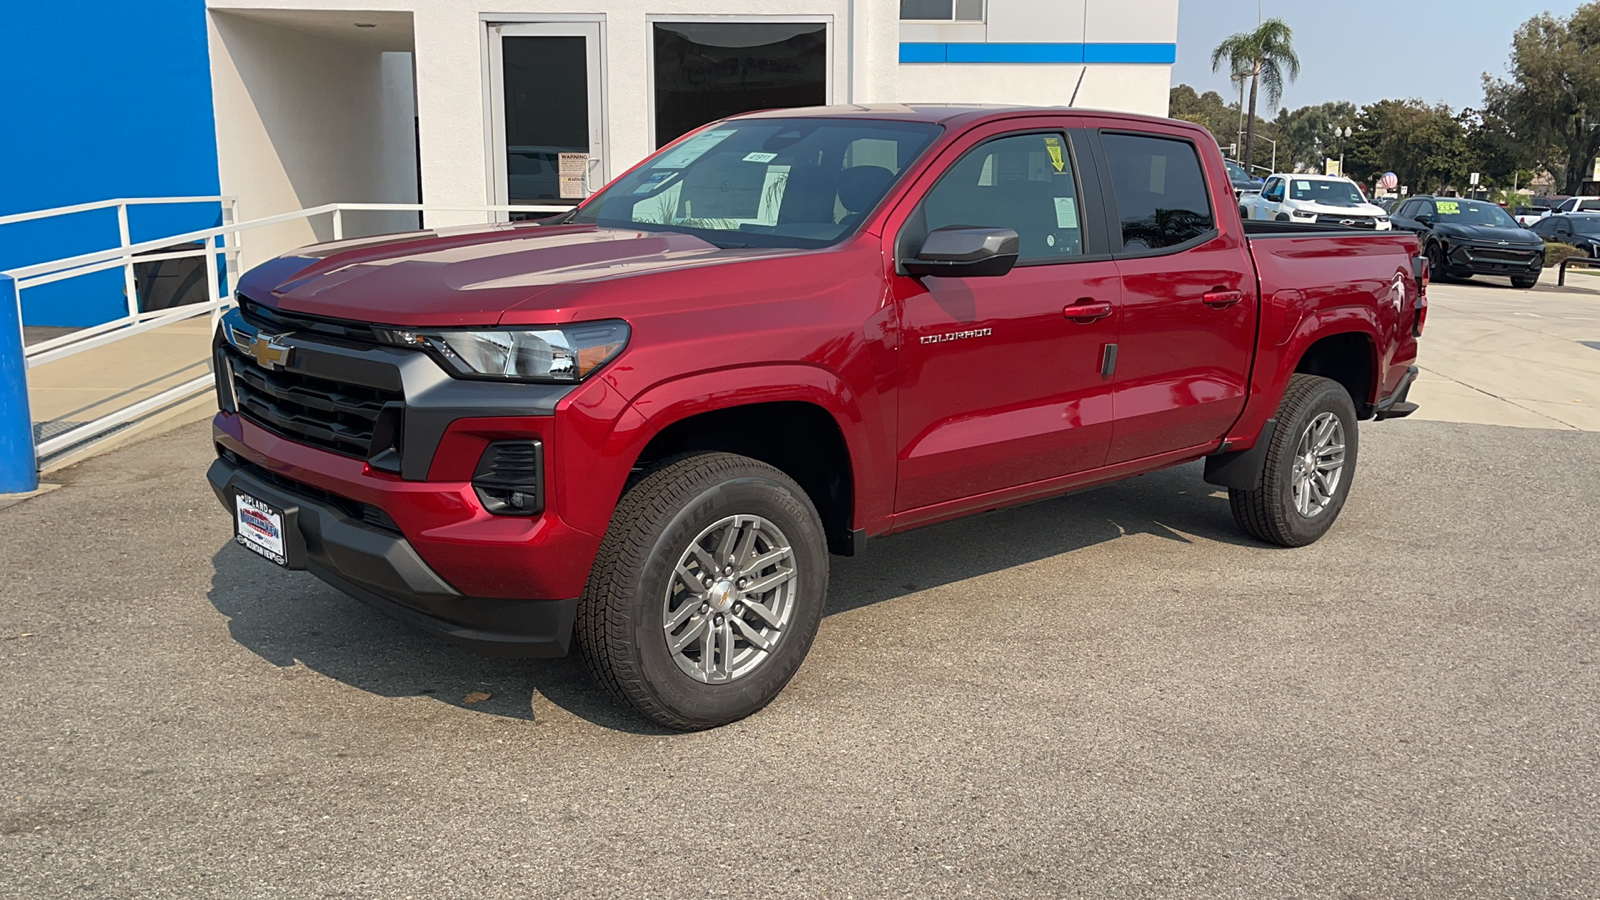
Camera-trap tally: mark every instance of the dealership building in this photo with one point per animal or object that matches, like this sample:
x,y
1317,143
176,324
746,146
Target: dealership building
x,y
289,104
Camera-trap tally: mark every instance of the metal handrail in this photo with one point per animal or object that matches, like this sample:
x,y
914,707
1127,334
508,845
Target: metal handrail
x,y
107,204
220,240
1580,261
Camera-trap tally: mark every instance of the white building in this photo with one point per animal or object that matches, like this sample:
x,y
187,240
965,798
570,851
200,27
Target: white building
x,y
458,103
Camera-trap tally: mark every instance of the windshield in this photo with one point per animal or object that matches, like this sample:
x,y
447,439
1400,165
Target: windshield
x,y
1236,172
764,182
1328,193
1473,212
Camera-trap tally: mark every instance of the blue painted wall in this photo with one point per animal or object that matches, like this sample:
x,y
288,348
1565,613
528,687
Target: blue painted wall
x,y
101,99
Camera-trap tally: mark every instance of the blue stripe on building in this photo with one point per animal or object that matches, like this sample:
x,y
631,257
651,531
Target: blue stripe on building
x,y
117,103
1103,54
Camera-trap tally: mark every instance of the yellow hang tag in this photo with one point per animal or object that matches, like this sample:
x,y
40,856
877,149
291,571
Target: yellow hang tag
x,y
1053,146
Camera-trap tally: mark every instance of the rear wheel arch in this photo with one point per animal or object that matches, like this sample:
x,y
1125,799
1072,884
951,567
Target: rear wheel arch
x,y
1349,358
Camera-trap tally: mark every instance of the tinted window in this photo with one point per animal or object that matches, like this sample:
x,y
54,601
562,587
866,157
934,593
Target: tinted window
x,y
1161,191
764,182
711,70
1586,226
1022,182
1543,226
1589,206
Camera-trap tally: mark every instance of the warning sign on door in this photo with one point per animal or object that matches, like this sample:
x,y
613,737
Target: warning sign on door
x,y
573,173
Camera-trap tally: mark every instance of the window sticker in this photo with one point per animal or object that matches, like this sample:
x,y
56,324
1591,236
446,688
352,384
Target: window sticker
x,y
1302,185
1066,212
759,157
1052,145
692,149
1449,208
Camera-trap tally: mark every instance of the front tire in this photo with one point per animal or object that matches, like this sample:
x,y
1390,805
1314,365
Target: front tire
x,y
1310,465
707,591
1524,282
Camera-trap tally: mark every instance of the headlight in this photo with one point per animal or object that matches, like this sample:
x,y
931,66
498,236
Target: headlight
x,y
1382,219
564,353
1298,214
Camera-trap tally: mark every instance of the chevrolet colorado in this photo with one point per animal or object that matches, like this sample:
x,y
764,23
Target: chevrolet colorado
x,y
645,426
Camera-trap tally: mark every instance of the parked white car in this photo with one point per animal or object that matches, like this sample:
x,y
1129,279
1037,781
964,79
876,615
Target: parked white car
x,y
1313,200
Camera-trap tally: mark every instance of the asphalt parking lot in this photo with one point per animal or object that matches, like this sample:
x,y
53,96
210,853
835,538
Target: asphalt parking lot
x,y
1108,695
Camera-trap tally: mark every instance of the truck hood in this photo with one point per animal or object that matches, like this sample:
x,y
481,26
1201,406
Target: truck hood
x,y
1328,209
1491,234
467,277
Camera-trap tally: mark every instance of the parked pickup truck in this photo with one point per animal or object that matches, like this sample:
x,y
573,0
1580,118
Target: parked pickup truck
x,y
646,425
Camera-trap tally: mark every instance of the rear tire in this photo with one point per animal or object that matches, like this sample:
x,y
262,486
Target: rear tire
x,y
724,557
1310,465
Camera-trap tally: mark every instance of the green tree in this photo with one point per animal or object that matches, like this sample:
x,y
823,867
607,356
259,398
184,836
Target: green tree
x,y
1551,103
1208,110
1427,146
1307,133
1266,56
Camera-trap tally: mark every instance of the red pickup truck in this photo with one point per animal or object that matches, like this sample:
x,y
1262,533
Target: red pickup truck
x,y
648,423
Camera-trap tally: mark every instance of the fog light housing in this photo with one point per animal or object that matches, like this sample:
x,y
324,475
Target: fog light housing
x,y
509,479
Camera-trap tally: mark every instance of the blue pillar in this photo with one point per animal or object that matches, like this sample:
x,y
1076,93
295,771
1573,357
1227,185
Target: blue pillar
x,y
19,472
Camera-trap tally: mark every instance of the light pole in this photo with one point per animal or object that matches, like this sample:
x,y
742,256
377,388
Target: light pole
x,y
1250,164
1340,135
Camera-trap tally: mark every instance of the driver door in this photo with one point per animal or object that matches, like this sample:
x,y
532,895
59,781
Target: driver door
x,y
1002,386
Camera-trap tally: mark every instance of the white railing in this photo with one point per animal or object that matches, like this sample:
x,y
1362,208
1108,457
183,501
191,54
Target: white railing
x,y
223,240
230,215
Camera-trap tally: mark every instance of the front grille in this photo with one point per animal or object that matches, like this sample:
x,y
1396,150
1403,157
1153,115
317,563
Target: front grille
x,y
353,509
269,319
327,414
1348,221
1498,255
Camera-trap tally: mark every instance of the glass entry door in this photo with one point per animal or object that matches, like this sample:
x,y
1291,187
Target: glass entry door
x,y
548,118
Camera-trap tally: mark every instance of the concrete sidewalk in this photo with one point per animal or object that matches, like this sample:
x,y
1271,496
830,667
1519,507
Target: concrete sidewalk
x,y
1494,355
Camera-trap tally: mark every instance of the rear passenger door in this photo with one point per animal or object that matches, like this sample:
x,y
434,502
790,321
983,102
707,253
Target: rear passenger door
x,y
1188,318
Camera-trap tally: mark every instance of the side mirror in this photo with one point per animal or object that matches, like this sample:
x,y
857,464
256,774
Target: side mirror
x,y
1424,219
959,251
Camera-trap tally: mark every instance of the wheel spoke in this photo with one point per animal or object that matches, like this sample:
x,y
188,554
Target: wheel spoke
x,y
754,566
690,580
708,649
751,634
691,605
764,611
696,629
725,633
707,564
762,585
747,546
729,538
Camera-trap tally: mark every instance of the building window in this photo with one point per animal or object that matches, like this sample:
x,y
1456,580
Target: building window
x,y
942,10
706,71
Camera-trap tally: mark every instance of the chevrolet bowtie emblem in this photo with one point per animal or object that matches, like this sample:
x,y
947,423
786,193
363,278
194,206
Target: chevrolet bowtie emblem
x,y
269,353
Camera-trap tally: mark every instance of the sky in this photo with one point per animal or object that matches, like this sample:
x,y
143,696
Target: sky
x,y
1348,48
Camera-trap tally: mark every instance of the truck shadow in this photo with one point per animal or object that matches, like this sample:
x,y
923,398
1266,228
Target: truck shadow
x,y
291,619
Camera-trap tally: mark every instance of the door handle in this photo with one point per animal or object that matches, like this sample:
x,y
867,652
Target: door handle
x,y
1222,299
1087,310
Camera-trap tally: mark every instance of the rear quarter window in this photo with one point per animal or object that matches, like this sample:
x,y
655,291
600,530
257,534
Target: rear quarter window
x,y
1161,196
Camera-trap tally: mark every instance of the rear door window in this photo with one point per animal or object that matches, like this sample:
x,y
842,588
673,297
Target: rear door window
x,y
1161,198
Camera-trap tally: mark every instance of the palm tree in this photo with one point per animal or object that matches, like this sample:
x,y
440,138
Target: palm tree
x,y
1266,57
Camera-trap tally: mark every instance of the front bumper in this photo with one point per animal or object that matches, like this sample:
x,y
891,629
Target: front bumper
x,y
381,568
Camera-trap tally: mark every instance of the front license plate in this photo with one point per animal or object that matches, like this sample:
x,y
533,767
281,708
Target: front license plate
x,y
259,528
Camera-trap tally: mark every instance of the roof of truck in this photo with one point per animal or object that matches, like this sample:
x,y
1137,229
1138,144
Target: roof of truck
x,y
938,113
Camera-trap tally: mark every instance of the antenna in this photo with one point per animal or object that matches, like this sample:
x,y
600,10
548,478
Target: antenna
x,y
1074,100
